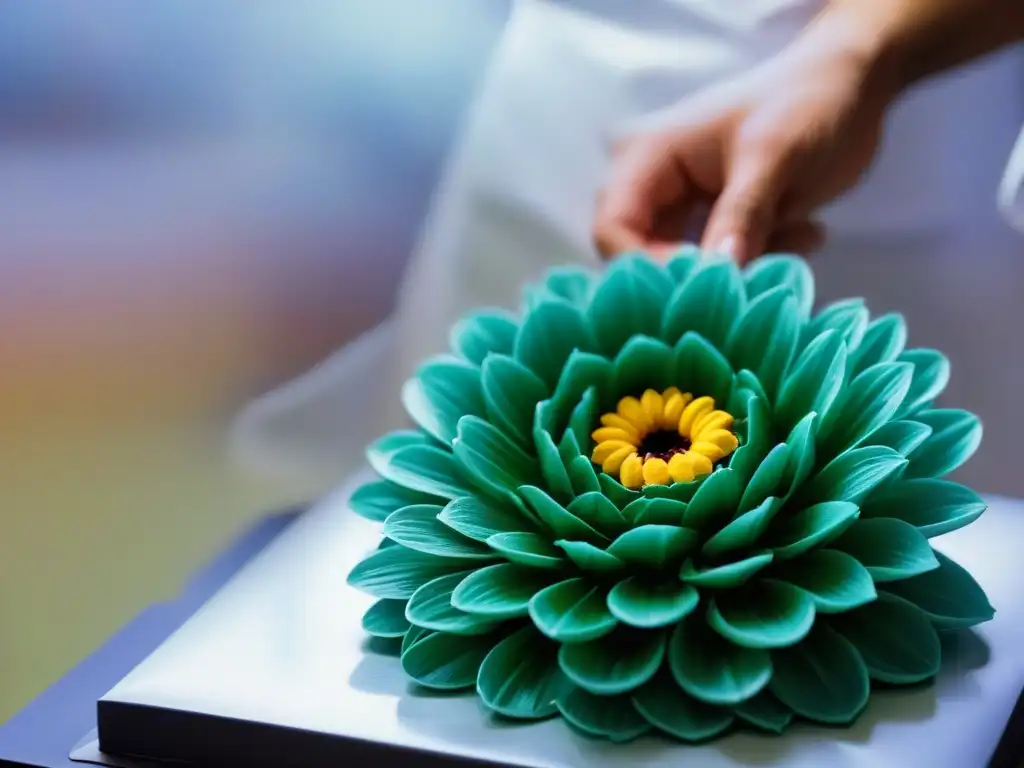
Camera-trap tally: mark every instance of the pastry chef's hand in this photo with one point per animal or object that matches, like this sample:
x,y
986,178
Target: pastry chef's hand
x,y
763,152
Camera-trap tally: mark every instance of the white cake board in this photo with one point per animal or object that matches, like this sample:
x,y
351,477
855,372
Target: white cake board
x,y
278,659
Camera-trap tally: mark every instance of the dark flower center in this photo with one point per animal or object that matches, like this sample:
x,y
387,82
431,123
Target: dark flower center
x,y
663,444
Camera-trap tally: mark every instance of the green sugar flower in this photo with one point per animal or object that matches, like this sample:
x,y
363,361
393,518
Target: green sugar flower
x,y
670,498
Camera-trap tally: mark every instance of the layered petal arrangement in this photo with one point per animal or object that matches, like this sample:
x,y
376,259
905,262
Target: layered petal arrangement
x,y
669,497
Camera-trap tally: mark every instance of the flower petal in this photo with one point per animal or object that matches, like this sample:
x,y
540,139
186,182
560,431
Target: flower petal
x,y
764,340
572,611
494,461
744,531
890,549
417,527
949,595
479,520
955,437
708,303
702,369
931,374
934,507
447,662
883,340
428,470
902,436
397,572
610,717
868,402
520,677
500,591
836,581
670,709
765,614
625,304
715,500
386,618
375,501
812,527
654,546
715,671
587,557
441,393
848,317
379,453
511,392
477,335
814,381
646,511
853,475
551,331
561,521
772,270
431,607
643,363
647,604
527,549
727,575
614,664
765,711
599,512
769,479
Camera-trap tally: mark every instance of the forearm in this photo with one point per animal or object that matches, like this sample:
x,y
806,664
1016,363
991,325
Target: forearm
x,y
903,41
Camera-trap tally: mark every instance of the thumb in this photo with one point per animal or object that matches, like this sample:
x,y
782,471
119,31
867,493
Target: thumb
x,y
744,215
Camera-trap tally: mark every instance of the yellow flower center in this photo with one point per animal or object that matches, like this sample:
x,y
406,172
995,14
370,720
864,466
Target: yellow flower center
x,y
663,438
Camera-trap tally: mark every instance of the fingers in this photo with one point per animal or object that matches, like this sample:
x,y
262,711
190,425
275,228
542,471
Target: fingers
x,y
646,177
744,216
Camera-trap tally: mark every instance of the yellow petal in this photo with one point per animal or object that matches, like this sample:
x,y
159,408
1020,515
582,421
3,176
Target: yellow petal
x,y
613,433
614,420
631,473
612,464
654,407
631,410
680,468
713,420
692,412
723,438
670,392
656,472
674,405
712,451
603,450
701,464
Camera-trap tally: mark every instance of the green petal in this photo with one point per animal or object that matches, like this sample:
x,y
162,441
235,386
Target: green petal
x,y
549,334
683,262
758,439
482,333
610,717
765,614
583,418
397,572
582,371
765,338
614,664
572,611
528,549
849,318
646,511
654,546
748,381
647,604
835,580
934,507
386,618
955,437
431,607
814,381
823,678
447,662
894,638
570,283
652,271
727,575
890,549
714,670
375,501
866,404
708,303
667,707
582,477
931,374
379,454
599,512
773,270
441,393
479,520
624,304
429,470
949,595
853,475
587,557
902,436
511,392
742,532
812,527
715,500
551,467
416,634
768,479
616,492
802,455
643,363
520,677
765,711
500,591
702,369
417,527
494,461
883,340
562,522
681,492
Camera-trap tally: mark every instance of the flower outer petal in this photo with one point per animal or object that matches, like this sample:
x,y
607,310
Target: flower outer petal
x,y
614,433
714,420
630,409
631,473
675,402
613,463
615,420
654,407
681,467
656,472
711,451
702,465
603,450
723,438
692,412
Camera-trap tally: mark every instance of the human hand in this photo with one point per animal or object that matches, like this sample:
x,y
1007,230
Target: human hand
x,y
762,151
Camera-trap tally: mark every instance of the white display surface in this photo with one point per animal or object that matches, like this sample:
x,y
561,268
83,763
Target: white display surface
x,y
281,644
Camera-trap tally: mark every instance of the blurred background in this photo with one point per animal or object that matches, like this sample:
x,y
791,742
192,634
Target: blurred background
x,y
200,200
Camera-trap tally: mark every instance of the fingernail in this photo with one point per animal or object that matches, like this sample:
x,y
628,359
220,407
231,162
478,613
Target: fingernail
x,y
727,246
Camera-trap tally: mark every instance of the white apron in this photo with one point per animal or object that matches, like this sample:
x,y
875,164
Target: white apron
x,y
518,194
